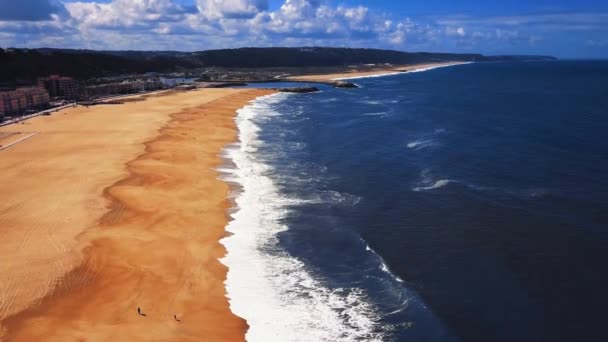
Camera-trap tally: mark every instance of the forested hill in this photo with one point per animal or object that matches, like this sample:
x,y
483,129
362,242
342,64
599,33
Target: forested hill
x,y
317,57
28,64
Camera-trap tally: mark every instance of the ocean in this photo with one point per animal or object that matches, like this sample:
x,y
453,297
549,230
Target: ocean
x,y
466,203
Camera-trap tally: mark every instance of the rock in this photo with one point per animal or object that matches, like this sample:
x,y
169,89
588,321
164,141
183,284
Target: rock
x,y
344,84
297,90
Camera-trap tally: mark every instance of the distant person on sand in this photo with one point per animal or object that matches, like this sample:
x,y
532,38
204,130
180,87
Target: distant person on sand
x,y
175,317
139,311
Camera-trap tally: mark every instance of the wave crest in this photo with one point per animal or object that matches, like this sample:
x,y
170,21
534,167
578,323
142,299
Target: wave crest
x,y
438,184
278,295
421,144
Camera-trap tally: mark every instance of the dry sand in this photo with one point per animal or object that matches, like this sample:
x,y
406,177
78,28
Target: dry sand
x,y
375,72
115,207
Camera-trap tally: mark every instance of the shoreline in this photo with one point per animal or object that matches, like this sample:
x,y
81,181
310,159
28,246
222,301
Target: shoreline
x,y
146,248
394,70
132,240
421,68
273,291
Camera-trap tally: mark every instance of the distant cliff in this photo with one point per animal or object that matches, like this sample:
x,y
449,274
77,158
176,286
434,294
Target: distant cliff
x,y
28,64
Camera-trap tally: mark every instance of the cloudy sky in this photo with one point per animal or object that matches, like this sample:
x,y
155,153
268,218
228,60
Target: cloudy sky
x,y
565,28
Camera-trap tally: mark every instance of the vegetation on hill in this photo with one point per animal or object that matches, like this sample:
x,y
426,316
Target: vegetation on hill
x,y
29,64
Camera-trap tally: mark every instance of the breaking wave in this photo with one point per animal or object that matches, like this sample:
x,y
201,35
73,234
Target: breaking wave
x,y
420,144
438,184
280,297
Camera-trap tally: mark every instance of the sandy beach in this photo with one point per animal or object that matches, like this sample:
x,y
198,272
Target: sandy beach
x,y
380,71
116,207
107,209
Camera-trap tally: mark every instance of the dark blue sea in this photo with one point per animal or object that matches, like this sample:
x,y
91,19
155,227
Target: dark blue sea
x,y
467,203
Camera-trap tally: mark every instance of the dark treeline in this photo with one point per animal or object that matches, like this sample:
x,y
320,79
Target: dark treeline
x,y
29,64
318,57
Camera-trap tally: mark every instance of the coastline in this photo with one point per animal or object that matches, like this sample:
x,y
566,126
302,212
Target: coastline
x,y
129,236
125,232
276,293
393,70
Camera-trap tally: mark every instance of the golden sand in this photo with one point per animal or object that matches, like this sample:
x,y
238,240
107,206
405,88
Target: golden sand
x,y
375,72
115,207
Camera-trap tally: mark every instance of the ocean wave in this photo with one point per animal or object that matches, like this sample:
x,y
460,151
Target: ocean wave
x,y
383,265
278,295
438,184
371,102
427,182
420,144
337,198
380,114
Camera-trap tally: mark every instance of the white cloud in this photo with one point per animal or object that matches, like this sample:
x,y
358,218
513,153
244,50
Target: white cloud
x,y
125,14
218,9
207,24
455,31
231,23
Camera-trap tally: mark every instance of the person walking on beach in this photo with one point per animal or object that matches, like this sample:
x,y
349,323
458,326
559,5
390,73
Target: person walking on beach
x,y
175,318
139,311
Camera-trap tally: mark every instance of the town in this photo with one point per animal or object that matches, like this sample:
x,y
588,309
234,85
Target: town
x,y
56,91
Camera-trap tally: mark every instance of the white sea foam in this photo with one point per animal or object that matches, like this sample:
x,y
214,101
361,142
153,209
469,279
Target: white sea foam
x,y
281,299
438,184
383,265
382,114
420,144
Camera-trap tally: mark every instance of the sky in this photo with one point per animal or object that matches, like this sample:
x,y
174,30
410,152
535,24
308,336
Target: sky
x,y
562,28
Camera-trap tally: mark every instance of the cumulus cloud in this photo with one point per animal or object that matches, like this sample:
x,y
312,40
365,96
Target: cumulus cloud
x,y
216,9
455,31
240,22
206,24
127,14
29,10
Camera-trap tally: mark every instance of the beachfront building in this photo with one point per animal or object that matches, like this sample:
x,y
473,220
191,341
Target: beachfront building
x,y
170,82
21,100
124,87
60,86
153,84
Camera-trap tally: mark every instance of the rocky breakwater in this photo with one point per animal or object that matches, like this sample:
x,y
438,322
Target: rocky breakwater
x,y
297,89
343,84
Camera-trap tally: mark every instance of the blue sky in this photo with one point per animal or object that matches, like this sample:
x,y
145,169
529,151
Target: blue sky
x,y
564,28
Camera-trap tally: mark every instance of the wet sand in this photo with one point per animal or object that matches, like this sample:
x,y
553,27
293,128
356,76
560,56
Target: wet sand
x,y
115,207
376,72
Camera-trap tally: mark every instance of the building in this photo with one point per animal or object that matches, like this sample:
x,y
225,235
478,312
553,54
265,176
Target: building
x,y
59,86
170,82
23,99
153,84
124,87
